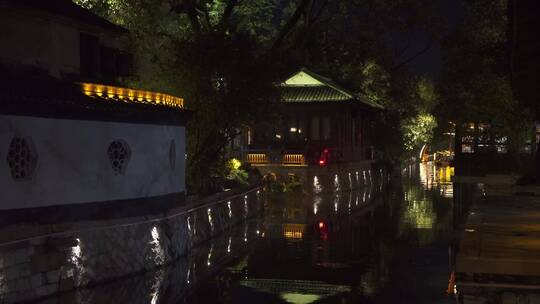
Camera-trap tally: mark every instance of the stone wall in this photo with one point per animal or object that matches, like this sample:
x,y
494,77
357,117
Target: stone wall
x,y
42,266
173,283
330,178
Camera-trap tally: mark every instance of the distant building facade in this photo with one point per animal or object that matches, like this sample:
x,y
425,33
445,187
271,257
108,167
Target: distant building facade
x,y
73,143
322,125
322,121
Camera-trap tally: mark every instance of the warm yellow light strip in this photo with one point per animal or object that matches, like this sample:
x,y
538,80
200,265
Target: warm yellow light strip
x,y
256,158
131,95
294,159
295,235
293,231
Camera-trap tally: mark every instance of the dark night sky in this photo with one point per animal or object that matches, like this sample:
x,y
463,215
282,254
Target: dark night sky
x,y
430,62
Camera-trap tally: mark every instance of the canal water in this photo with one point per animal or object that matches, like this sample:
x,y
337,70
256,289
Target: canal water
x,y
384,243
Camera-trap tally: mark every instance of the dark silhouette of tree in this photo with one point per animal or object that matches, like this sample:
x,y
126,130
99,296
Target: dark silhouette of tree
x,y
475,81
225,57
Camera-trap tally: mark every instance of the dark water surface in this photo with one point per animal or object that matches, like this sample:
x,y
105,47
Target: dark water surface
x,y
384,243
380,244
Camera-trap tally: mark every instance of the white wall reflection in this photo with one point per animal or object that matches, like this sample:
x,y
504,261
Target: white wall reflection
x,y
246,210
317,187
157,248
337,186
337,197
209,257
316,204
76,253
210,221
364,176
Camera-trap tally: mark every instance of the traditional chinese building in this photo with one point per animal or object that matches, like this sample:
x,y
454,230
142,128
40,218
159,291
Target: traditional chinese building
x,y
323,126
74,143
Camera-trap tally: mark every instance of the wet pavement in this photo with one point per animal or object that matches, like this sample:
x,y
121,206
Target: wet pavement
x,y
384,243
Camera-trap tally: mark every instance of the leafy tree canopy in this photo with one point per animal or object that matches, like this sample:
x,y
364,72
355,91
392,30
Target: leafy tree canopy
x,y
475,82
225,56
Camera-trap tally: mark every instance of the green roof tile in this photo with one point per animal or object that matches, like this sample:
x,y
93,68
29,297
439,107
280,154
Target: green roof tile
x,y
320,89
313,94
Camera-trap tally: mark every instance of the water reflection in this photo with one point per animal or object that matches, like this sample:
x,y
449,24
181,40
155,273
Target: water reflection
x,y
316,203
419,213
436,176
383,245
309,239
295,291
317,187
377,244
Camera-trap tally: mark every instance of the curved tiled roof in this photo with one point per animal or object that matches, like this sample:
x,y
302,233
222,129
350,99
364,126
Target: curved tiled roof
x,y
321,89
313,94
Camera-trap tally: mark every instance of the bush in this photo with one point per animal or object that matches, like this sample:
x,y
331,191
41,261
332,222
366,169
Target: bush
x,y
235,173
271,183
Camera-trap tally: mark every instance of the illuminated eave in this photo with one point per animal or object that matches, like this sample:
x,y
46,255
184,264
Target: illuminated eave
x,y
130,95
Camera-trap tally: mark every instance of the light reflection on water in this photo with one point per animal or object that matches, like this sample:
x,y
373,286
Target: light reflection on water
x,y
317,187
388,245
420,210
371,245
436,176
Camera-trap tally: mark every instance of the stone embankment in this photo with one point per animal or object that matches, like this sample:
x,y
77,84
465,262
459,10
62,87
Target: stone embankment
x,y
41,266
330,178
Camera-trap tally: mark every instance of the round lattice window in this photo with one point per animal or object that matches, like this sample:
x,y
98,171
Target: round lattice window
x,y
172,154
22,158
119,155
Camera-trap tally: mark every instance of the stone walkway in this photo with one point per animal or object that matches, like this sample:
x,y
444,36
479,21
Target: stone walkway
x,y
499,252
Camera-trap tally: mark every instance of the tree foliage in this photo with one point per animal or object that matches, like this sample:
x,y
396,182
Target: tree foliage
x,y
475,82
213,54
224,57
367,58
418,130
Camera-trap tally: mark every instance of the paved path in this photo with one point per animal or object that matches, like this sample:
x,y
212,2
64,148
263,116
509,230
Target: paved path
x,y
502,236
499,254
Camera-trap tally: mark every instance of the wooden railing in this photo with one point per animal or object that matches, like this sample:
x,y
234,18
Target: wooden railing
x,y
256,158
294,159
293,231
265,157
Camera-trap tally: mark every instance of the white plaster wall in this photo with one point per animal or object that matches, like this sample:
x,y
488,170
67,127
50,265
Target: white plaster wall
x,y
73,166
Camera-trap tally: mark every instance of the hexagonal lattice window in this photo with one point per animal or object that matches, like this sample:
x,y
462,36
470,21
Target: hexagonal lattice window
x,y
22,158
119,155
172,154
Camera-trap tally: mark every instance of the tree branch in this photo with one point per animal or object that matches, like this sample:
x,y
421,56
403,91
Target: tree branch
x,y
319,12
399,52
206,14
187,7
413,57
308,11
231,4
300,9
